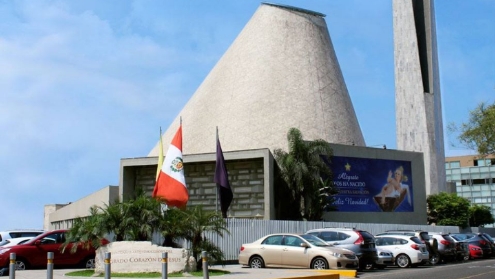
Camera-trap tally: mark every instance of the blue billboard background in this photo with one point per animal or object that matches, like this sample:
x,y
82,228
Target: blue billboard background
x,y
360,182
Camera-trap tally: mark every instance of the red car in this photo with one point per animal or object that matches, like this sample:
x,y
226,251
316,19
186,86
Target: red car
x,y
475,252
34,253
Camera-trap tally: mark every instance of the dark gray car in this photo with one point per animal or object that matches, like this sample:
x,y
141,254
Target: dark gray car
x,y
360,242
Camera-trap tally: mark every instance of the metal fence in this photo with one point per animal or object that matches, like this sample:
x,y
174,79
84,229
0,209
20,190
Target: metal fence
x,y
249,230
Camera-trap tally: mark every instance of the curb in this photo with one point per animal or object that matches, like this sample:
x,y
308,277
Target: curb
x,y
325,274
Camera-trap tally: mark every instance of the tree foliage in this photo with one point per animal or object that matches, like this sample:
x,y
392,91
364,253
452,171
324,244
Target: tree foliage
x,y
478,133
448,209
451,210
480,215
306,174
140,217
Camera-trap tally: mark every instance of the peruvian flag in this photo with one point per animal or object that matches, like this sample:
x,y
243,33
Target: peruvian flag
x,y
171,183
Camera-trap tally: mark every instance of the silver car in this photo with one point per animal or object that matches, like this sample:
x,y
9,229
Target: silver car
x,y
385,257
295,251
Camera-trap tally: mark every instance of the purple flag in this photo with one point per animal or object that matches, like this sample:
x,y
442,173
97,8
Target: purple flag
x,y
222,180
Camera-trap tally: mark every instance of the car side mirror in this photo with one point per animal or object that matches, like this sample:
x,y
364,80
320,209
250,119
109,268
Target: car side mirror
x,y
304,244
37,242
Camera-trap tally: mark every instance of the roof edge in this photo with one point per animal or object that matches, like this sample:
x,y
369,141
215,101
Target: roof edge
x,y
294,9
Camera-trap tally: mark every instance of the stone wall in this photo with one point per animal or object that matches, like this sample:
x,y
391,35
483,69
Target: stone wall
x,y
246,179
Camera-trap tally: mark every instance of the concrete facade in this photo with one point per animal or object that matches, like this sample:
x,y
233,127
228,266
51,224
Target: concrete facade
x,y
280,72
250,176
419,121
63,216
419,194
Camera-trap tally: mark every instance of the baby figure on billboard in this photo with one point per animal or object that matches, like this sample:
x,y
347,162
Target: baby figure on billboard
x,y
394,187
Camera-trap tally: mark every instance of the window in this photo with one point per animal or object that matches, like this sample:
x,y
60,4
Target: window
x,y
343,236
455,164
329,236
273,240
290,240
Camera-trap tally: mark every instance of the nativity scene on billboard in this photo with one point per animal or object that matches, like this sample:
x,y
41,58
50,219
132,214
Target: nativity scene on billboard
x,y
372,185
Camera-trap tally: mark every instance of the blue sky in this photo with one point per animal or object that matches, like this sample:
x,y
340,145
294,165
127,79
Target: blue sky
x,y
86,83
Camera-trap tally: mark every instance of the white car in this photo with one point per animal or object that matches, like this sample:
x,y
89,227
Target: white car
x,y
15,241
408,250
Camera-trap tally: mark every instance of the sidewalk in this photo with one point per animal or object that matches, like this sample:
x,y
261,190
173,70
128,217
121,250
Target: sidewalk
x,y
236,272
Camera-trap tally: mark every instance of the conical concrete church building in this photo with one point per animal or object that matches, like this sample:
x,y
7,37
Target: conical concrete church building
x,y
280,72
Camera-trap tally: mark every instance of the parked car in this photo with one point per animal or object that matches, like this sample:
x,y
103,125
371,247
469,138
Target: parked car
x,y
475,239
408,250
14,241
4,235
461,248
446,247
385,258
297,251
475,252
431,243
490,241
489,237
362,243
34,252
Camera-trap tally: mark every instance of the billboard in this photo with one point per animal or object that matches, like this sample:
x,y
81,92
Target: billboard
x,y
372,185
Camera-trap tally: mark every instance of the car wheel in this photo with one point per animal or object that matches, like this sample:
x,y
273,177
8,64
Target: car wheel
x,y
256,262
368,266
434,259
89,263
20,264
402,260
319,263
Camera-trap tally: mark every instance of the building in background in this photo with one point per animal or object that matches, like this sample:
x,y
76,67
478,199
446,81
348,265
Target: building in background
x,y
282,72
418,108
473,178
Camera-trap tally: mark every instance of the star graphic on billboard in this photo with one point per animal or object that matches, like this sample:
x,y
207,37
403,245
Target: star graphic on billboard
x,y
347,167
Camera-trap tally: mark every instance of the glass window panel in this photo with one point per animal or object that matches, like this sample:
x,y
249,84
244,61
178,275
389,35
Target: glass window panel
x,y
481,162
456,177
456,171
484,169
485,188
464,170
447,165
455,164
485,194
476,188
475,175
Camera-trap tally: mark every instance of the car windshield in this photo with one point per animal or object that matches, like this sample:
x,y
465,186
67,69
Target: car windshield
x,y
316,241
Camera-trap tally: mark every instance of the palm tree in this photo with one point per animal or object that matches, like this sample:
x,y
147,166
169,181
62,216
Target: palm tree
x,y
142,217
85,231
172,227
199,222
302,169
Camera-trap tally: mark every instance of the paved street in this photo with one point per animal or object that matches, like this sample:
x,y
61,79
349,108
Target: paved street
x,y
479,269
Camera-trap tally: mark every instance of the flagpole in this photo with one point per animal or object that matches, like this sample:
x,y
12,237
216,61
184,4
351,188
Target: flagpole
x,y
216,195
